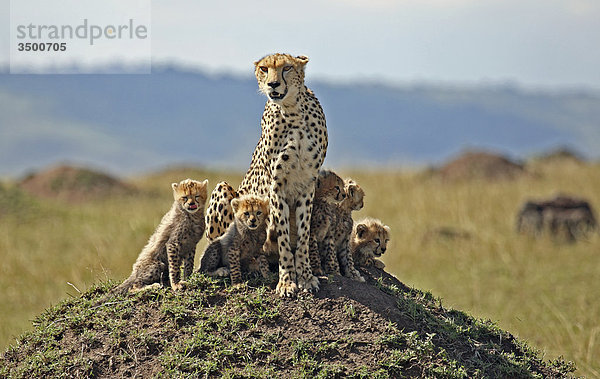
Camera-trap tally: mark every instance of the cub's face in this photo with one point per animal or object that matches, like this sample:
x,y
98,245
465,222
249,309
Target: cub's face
x,y
374,237
330,187
355,195
252,211
280,76
190,194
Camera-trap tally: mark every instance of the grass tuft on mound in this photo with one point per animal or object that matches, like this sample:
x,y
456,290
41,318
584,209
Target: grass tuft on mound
x,y
378,329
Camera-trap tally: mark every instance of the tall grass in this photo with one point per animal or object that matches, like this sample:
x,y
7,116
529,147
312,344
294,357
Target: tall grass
x,y
542,290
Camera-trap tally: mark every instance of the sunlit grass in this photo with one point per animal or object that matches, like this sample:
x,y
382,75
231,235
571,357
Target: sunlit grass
x,y
541,290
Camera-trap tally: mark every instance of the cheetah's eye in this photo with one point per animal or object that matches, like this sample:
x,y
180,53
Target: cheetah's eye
x,y
258,213
377,240
264,68
246,214
287,68
185,198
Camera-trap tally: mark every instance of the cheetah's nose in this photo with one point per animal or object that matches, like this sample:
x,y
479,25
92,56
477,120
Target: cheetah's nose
x,y
273,84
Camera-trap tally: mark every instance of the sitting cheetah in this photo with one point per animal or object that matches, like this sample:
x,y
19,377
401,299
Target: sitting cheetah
x,y
284,167
242,244
343,228
173,242
369,240
329,192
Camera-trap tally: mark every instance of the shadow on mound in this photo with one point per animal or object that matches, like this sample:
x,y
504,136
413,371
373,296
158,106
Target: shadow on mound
x,y
376,329
73,184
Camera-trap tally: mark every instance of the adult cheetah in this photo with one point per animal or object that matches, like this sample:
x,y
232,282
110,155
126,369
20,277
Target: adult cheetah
x,y
284,167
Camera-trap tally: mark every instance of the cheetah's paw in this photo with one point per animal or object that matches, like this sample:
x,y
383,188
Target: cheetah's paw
x,y
286,288
180,286
311,284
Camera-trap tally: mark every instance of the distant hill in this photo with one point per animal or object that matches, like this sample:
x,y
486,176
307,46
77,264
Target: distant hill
x,y
132,123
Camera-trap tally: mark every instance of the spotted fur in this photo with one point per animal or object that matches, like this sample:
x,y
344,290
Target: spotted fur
x,y
284,167
370,238
328,193
342,229
241,247
173,244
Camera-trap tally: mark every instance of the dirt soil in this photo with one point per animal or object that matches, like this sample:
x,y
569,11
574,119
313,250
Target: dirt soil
x,y
481,165
380,328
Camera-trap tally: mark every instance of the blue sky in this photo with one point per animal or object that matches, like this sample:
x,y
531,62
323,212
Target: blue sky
x,y
534,43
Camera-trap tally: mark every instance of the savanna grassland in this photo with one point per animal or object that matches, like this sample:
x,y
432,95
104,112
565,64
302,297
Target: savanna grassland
x,y
455,239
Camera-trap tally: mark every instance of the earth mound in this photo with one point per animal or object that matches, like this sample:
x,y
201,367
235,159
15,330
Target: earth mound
x,y
73,184
563,154
481,165
377,329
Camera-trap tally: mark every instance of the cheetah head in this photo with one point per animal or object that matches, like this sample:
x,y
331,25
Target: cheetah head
x,y
330,187
190,194
280,76
373,235
355,196
251,211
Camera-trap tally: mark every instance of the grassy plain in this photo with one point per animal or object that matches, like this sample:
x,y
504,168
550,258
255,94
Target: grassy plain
x,y
543,291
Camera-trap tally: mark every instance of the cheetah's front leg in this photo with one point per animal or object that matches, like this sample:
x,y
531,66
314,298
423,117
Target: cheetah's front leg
x,y
174,258
280,220
306,280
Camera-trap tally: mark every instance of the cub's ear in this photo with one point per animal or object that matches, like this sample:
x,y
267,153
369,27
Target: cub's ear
x,y
361,229
174,186
235,203
204,184
387,229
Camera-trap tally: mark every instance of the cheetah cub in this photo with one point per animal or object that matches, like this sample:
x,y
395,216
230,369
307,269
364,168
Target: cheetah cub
x,y
342,231
241,247
329,191
370,238
173,244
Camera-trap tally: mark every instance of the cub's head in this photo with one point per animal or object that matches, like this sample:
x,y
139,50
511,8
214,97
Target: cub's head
x,y
329,187
190,194
355,196
372,235
251,210
280,76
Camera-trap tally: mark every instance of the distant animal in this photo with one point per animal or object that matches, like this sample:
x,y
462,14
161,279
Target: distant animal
x,y
342,229
328,193
563,217
284,167
173,244
241,247
369,241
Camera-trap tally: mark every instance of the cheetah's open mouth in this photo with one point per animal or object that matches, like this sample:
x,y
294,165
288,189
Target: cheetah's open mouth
x,y
274,95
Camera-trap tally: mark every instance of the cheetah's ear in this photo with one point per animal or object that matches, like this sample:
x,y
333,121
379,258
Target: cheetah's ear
x,y
174,186
302,59
361,229
387,229
235,203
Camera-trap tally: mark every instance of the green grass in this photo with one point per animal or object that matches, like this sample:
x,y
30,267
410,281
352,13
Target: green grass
x,y
215,330
541,290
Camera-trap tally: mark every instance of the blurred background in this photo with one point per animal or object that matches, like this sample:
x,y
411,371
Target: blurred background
x,y
450,113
